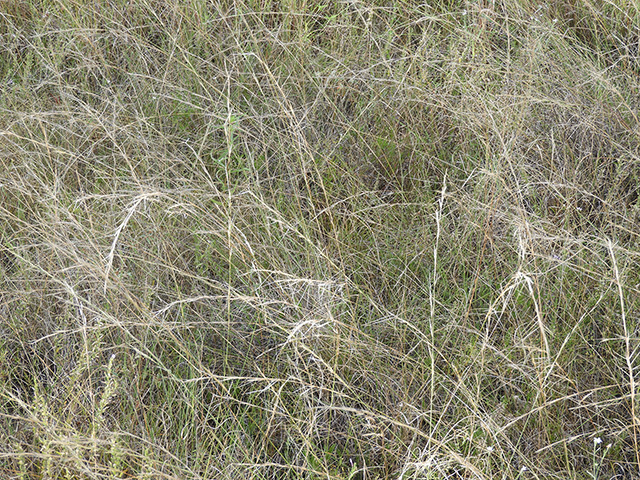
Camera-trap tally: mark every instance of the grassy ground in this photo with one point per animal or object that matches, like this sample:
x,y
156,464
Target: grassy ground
x,y
323,240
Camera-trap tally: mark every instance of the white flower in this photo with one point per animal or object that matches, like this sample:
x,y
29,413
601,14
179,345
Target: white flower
x,y
597,441
489,449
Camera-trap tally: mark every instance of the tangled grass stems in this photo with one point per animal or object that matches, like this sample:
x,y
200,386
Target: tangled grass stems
x,y
318,240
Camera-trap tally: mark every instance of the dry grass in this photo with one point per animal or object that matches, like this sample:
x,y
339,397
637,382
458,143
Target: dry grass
x,y
322,240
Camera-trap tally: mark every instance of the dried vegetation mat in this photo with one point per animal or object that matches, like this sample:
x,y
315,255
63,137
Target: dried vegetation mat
x,y
319,240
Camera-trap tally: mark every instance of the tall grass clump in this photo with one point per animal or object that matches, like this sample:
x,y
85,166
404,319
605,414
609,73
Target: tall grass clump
x,y
320,240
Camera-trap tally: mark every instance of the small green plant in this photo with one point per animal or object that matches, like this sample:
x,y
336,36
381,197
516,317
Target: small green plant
x,y
599,455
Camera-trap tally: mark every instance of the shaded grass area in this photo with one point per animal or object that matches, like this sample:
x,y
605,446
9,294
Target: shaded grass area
x,y
318,240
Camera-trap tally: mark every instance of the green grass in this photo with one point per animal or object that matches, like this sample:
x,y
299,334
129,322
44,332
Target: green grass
x,y
319,240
